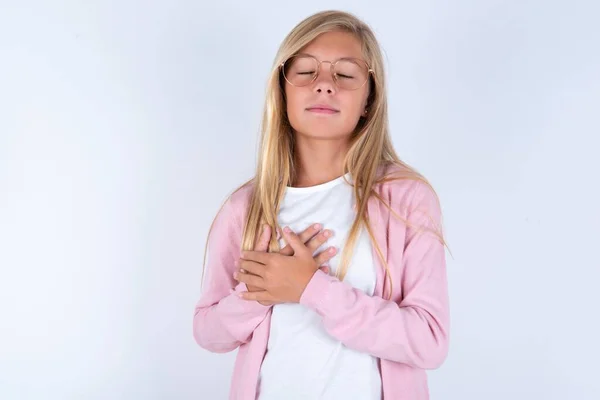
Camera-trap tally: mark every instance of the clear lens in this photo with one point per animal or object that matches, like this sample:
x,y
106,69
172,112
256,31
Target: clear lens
x,y
349,74
300,70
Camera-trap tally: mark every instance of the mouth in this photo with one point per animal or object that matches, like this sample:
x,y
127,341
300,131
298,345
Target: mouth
x,y
322,109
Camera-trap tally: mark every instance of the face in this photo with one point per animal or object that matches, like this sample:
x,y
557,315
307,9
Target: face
x,y
349,105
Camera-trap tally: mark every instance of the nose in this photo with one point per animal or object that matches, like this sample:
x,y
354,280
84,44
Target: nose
x,y
324,81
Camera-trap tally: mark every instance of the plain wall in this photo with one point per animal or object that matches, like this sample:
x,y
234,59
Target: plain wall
x,y
125,124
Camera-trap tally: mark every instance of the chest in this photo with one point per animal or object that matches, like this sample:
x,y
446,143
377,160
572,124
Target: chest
x,y
335,211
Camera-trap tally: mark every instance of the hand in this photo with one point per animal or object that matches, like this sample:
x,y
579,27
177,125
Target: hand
x,y
312,236
280,278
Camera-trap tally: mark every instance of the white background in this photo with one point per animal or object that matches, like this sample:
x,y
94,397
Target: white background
x,y
124,124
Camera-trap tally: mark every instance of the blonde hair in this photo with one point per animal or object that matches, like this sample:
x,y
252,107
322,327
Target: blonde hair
x,y
370,143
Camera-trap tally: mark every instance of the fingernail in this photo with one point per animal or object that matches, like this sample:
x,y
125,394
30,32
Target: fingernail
x,y
327,233
242,271
317,226
332,250
287,229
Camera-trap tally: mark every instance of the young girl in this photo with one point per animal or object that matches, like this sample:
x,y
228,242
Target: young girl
x,y
311,321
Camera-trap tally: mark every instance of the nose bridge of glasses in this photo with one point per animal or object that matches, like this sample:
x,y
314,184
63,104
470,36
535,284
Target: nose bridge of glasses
x,y
330,70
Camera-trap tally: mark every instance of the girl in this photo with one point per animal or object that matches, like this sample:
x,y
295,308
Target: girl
x,y
311,322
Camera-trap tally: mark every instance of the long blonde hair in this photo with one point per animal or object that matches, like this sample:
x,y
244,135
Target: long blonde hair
x,y
370,143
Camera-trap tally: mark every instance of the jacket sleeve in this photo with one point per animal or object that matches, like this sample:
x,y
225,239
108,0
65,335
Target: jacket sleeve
x,y
222,320
413,331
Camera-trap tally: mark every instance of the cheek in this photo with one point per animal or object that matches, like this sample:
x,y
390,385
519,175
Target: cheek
x,y
293,104
354,106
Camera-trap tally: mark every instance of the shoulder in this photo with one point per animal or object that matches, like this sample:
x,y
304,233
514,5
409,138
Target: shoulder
x,y
240,198
406,189
236,204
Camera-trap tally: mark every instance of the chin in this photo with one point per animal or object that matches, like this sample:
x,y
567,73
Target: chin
x,y
322,132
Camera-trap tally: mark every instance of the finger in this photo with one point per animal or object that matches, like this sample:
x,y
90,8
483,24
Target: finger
x,y
305,237
325,255
251,288
252,267
319,239
249,279
294,241
258,256
265,237
287,251
310,232
258,296
325,268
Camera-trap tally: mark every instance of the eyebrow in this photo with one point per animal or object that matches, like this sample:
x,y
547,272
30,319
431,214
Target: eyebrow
x,y
339,58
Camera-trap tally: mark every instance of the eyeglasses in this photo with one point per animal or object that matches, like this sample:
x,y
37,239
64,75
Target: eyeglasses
x,y
347,73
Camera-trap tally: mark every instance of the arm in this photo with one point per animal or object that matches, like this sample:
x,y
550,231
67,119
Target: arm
x,y
222,320
414,331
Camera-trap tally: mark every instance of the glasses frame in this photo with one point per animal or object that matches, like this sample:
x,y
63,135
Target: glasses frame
x,y
331,69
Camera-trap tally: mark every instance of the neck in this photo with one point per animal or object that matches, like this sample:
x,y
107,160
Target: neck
x,y
318,160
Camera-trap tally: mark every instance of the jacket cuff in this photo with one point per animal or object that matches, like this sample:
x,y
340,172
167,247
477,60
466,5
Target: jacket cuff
x,y
316,292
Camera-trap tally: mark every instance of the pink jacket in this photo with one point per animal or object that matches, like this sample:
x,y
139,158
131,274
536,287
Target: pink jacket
x,y
408,334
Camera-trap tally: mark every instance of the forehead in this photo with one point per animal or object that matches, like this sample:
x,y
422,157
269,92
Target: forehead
x,y
334,45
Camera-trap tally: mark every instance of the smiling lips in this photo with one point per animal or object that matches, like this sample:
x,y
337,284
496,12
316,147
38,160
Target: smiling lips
x,y
322,109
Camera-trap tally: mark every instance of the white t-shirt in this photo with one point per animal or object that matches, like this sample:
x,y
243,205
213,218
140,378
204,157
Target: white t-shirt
x,y
303,362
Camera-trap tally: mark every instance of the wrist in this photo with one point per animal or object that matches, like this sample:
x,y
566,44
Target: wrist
x,y
305,282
